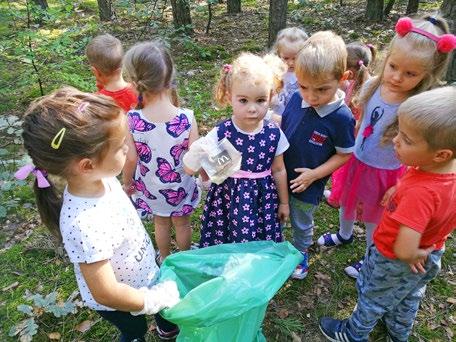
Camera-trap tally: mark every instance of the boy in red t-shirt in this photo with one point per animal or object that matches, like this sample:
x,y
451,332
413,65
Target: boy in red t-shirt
x,y
105,54
418,218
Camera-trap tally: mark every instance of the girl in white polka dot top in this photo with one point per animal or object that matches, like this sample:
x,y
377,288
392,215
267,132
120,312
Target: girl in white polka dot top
x,y
81,138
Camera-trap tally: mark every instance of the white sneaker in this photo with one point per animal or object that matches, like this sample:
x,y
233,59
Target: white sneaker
x,y
327,193
353,269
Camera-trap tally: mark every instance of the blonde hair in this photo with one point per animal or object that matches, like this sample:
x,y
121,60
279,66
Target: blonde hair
x,y
105,53
433,113
417,47
323,54
290,36
250,68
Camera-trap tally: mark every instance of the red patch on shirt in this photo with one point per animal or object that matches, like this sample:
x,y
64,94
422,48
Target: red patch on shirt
x,y
318,138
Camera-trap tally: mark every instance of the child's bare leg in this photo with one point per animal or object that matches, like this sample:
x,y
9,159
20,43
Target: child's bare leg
x,y
163,235
183,231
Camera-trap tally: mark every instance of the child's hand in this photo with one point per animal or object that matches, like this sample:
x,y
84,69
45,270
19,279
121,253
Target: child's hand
x,y
418,265
129,188
284,212
302,182
386,197
192,159
203,184
158,297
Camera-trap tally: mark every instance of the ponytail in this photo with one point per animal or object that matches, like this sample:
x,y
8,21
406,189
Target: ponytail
x,y
49,203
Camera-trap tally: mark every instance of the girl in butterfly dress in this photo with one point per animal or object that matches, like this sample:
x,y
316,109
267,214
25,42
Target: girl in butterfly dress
x,y
250,204
160,135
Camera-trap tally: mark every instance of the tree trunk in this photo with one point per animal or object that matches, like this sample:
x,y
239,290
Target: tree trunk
x,y
374,10
181,16
412,6
42,3
388,7
105,10
277,18
233,6
448,11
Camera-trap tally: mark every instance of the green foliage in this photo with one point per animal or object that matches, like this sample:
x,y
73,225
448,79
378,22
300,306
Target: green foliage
x,y
13,193
27,328
37,50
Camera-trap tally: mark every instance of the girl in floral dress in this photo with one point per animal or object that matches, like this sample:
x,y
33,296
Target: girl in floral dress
x,y
250,204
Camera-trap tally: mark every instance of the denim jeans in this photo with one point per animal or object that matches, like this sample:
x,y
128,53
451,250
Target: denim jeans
x,y
388,289
302,223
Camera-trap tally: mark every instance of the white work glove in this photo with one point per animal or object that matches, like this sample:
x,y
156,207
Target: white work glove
x,y
158,297
192,159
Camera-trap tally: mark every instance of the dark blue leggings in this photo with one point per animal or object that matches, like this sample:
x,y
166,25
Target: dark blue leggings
x,y
134,327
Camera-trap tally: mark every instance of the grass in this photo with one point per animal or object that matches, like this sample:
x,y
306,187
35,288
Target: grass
x,y
295,310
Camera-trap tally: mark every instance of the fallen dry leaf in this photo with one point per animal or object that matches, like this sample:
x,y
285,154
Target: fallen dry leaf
x,y
451,300
322,276
295,337
449,333
10,287
283,313
84,326
54,336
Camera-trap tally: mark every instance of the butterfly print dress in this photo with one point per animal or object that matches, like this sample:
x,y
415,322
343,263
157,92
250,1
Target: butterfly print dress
x,y
162,186
241,209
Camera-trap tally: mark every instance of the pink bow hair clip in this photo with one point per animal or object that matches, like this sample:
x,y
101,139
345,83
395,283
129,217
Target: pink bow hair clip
x,y
227,68
40,175
445,43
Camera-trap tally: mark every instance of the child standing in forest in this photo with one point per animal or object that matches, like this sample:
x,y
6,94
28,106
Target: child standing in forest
x,y
320,128
81,137
416,61
250,204
160,135
287,45
105,54
409,242
359,58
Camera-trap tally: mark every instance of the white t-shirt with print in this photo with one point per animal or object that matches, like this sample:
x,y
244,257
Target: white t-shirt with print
x,y
107,227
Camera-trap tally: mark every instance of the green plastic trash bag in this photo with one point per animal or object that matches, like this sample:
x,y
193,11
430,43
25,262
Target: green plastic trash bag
x,y
225,289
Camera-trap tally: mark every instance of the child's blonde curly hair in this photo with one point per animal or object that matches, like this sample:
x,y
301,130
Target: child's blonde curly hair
x,y
289,36
252,69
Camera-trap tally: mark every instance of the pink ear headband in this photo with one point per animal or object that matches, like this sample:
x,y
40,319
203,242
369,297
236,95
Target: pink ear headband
x,y
445,43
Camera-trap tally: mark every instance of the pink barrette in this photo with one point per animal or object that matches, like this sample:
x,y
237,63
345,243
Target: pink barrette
x,y
445,43
370,46
40,175
360,62
227,68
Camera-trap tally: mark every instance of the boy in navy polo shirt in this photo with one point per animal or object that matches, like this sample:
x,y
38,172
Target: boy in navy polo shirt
x,y
319,127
